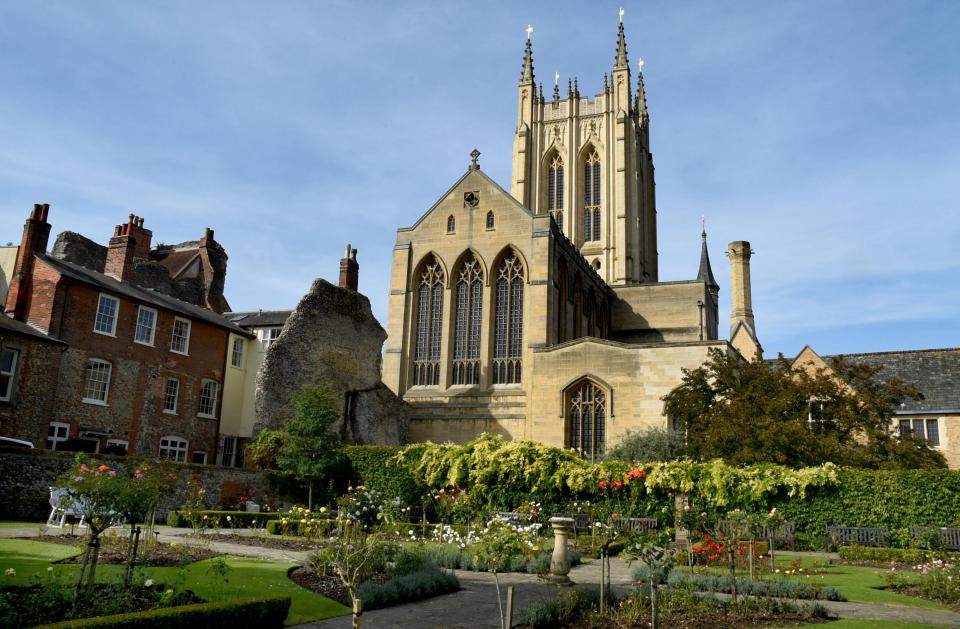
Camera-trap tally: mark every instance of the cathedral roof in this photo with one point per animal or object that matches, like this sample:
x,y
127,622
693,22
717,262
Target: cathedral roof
x,y
472,171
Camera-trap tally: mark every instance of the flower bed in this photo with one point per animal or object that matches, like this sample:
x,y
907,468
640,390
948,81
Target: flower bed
x,y
782,588
886,556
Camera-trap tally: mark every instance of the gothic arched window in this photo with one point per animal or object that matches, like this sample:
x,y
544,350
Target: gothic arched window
x,y
490,220
591,197
426,359
508,322
451,224
555,190
586,411
466,339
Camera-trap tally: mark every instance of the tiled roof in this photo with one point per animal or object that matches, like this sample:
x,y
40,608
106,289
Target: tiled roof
x,y
936,372
19,327
174,261
259,319
142,295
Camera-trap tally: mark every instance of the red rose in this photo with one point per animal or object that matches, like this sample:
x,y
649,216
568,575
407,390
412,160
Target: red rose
x,y
602,484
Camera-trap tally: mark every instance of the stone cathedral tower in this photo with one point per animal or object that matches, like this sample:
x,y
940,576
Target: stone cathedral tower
x,y
588,163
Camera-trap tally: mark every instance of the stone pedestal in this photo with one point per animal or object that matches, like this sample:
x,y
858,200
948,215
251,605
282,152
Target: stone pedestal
x,y
560,562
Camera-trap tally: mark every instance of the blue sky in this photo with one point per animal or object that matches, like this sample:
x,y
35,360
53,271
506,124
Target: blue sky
x,y
825,133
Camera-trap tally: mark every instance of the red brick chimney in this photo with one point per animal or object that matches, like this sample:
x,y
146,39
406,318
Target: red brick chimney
x,y
129,241
349,269
36,233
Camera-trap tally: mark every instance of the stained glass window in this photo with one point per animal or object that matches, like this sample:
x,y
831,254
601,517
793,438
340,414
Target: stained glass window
x,y
508,323
426,359
587,415
466,347
555,190
591,197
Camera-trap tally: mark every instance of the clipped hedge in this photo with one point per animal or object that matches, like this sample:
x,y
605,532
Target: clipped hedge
x,y
258,612
277,527
891,499
219,518
378,468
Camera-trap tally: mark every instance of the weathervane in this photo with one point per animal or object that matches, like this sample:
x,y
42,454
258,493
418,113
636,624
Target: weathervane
x,y
529,30
703,225
621,15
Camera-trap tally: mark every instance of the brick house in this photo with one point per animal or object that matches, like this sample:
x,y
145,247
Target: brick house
x,y
139,368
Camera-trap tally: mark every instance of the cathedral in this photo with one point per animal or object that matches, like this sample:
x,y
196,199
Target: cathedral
x,y
538,313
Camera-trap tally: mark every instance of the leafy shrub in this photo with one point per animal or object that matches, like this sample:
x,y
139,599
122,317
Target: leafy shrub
x,y
567,606
218,519
243,613
649,446
427,581
780,588
302,521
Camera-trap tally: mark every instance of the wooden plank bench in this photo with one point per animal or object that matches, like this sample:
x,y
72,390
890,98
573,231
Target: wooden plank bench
x,y
862,535
786,533
637,525
581,521
949,537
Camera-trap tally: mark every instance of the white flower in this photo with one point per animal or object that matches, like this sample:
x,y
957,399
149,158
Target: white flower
x,y
49,568
10,572
148,583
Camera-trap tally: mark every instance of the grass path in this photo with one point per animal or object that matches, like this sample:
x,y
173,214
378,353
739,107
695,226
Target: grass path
x,y
245,577
855,623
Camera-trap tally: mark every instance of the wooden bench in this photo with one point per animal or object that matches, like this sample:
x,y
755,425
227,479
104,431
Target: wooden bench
x,y
581,521
510,517
862,535
949,537
786,533
636,525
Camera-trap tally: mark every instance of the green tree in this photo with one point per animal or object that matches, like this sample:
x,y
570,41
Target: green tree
x,y
766,411
310,450
649,446
264,449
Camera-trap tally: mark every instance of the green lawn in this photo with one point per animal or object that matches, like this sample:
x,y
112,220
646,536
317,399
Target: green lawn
x,y
12,524
246,577
858,584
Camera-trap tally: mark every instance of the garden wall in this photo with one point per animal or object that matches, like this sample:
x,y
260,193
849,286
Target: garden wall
x,y
26,477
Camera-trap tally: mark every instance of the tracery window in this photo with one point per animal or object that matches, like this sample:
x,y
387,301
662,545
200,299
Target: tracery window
x,y
426,360
555,190
466,345
591,197
508,322
587,414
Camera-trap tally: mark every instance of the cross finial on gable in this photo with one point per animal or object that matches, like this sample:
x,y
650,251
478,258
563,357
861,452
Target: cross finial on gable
x,y
621,15
474,155
529,30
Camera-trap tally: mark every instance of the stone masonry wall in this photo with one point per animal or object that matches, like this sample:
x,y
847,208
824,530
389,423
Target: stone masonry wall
x,y
26,476
332,339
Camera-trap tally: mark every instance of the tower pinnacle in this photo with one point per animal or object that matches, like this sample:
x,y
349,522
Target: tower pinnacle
x,y
526,73
621,62
705,273
641,105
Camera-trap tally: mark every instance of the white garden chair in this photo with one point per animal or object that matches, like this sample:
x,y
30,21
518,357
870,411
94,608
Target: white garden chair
x,y
60,511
